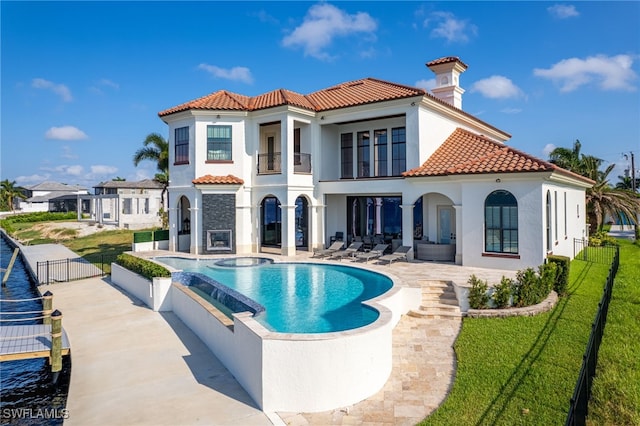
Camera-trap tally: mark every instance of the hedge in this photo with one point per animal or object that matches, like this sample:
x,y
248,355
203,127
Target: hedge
x,y
143,267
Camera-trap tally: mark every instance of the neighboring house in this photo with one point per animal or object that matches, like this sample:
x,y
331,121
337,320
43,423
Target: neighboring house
x,y
51,197
366,159
130,205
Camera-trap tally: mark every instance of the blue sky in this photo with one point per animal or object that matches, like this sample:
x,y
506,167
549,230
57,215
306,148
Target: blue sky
x,y
82,82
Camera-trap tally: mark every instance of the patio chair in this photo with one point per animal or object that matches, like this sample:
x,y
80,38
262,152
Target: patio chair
x,y
377,251
352,250
399,254
337,245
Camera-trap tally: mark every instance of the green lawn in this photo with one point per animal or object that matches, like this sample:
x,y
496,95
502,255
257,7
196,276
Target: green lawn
x,y
615,398
523,370
106,243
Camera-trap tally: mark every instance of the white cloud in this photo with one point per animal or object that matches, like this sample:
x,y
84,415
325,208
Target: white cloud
x,y
35,178
447,26
101,170
68,153
496,87
607,72
548,148
75,170
65,133
59,89
242,74
511,110
104,82
563,11
322,24
426,84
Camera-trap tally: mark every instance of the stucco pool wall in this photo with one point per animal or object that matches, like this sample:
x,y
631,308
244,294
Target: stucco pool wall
x,y
300,372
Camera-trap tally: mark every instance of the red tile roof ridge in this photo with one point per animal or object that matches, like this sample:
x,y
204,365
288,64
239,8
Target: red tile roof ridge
x,y
495,157
218,180
445,60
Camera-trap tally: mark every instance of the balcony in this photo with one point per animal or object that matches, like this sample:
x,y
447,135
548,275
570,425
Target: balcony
x,y
269,164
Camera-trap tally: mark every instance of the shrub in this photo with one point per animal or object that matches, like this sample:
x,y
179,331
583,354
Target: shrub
x,y
601,238
526,288
478,297
502,292
143,267
548,273
562,274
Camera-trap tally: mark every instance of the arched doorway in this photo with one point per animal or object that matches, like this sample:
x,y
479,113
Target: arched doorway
x,y
302,223
184,224
270,222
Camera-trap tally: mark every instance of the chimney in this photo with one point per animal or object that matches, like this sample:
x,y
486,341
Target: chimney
x,y
447,71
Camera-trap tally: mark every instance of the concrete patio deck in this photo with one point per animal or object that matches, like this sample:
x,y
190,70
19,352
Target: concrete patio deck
x,y
131,365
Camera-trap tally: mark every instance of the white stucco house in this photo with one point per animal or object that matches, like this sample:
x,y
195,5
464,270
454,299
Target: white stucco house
x,y
51,197
283,172
126,204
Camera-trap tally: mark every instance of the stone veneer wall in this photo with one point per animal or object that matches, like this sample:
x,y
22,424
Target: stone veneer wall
x,y
218,213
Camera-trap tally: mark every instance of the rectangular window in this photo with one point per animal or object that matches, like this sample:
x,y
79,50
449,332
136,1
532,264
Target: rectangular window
x,y
296,147
565,215
363,154
346,151
398,150
380,152
555,214
181,141
219,143
126,206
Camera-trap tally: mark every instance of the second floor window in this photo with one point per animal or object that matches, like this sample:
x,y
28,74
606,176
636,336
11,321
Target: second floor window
x,y
363,154
398,150
380,152
181,141
346,151
219,143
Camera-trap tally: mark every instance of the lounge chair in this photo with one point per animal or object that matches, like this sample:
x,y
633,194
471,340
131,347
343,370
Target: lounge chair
x,y
376,252
337,245
399,254
352,250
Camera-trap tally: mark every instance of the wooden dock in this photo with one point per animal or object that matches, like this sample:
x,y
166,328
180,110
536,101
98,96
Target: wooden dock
x,y
28,341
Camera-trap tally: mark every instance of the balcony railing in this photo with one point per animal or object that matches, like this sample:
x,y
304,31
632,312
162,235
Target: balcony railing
x,y
272,163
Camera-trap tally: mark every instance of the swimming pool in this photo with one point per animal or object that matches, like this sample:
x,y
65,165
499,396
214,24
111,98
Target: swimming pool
x,y
297,297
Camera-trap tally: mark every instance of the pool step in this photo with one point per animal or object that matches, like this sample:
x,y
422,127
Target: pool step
x,y
439,301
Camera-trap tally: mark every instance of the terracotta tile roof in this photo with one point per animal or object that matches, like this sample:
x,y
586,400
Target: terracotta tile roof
x,y
446,60
218,180
280,97
220,100
465,153
359,92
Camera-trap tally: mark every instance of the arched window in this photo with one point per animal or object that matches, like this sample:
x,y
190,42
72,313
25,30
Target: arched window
x,y
501,222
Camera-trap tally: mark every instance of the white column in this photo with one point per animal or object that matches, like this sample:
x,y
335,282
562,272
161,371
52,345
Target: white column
x,y
173,228
317,225
459,233
407,228
288,215
196,232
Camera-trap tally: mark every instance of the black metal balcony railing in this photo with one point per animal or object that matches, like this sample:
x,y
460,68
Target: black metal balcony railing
x,y
272,163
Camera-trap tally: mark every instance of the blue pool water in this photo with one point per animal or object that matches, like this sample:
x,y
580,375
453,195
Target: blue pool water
x,y
299,297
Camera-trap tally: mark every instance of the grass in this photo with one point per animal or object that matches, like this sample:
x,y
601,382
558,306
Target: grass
x,y
615,397
523,370
101,246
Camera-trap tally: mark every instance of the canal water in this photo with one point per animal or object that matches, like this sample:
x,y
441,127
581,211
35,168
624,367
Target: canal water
x,y
27,394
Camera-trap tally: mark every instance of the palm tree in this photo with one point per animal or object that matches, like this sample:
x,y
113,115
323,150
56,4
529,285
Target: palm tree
x,y
9,192
569,159
602,199
625,182
156,149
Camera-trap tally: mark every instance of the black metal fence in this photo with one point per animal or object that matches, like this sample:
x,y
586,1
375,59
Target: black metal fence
x,y
580,400
63,270
595,254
